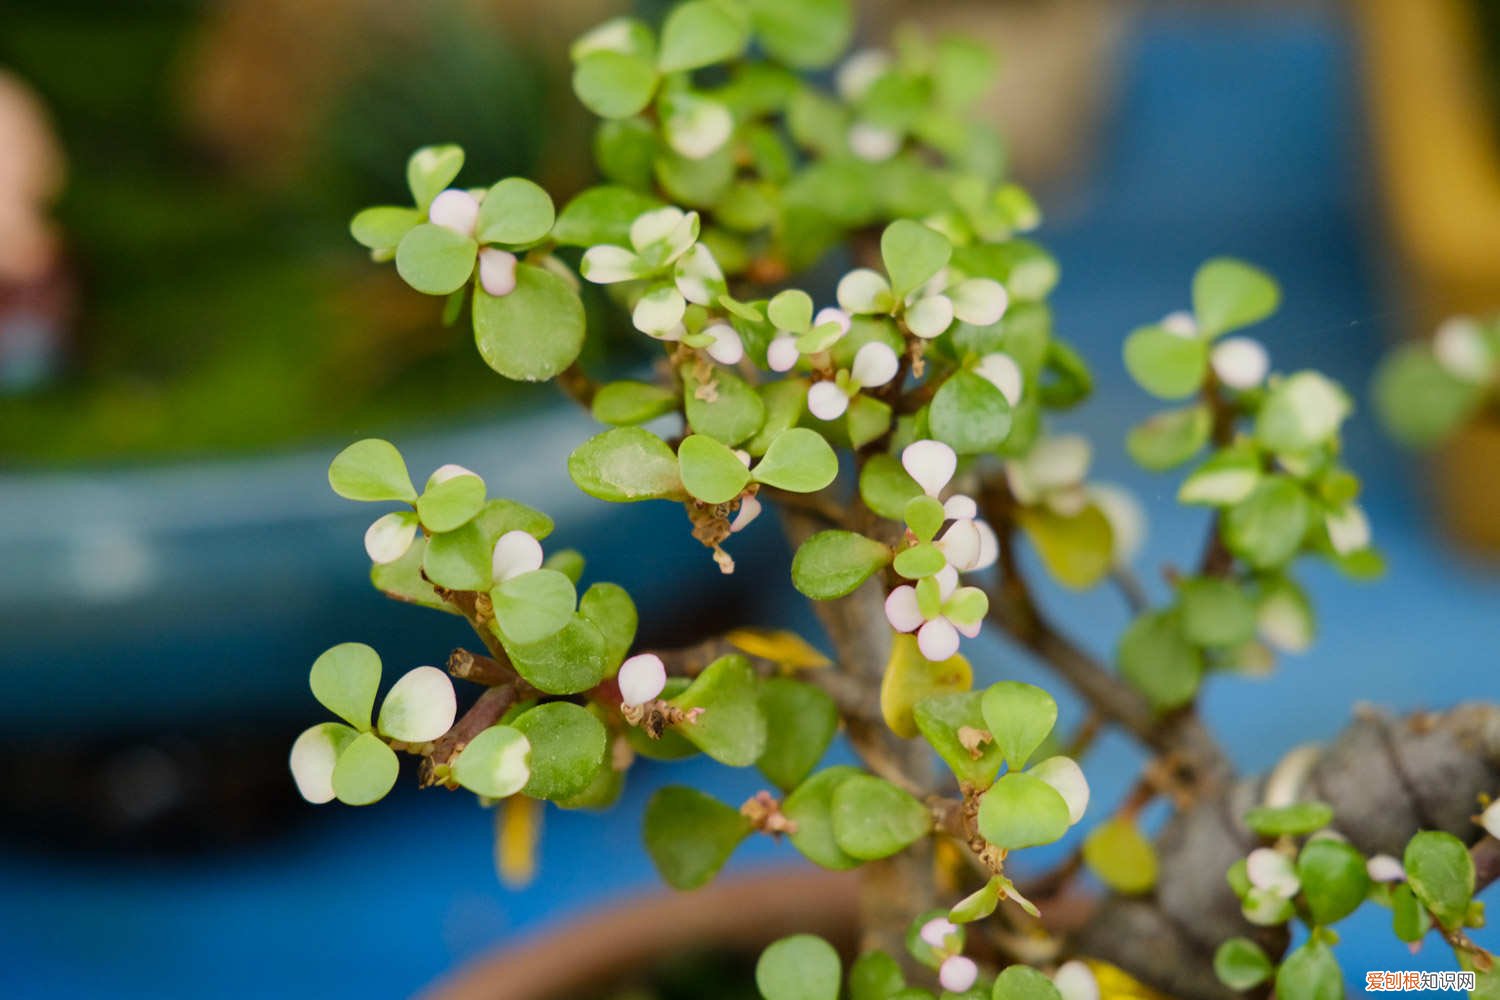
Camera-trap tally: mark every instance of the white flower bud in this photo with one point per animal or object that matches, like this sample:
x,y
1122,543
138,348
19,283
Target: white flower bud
x,y
726,348
873,143
826,401
875,364
859,71
421,706
1348,530
750,508
957,973
1384,868
1180,323
1270,870
497,271
516,552
960,508
1076,981
829,314
1067,778
782,354
455,209
938,640
389,538
1490,819
641,678
901,609
989,546
960,545
1459,347
1001,371
930,463
937,931
1240,362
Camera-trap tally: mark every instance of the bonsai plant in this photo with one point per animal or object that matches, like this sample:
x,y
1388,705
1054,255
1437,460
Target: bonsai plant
x,y
902,433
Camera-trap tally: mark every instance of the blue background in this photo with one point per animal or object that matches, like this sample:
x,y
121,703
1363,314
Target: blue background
x,y
1232,133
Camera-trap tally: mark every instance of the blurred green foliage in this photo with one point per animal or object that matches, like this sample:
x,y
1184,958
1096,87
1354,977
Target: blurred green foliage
x,y
218,311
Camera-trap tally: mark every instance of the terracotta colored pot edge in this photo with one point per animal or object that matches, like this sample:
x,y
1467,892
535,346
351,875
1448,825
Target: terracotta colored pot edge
x,y
744,912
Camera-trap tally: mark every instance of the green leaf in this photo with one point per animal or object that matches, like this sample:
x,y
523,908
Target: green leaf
x,y
567,748
1215,612
804,34
690,835
727,409
625,465
430,170
1120,855
365,772
1334,879
970,414
1077,550
625,404
800,722
460,559
701,33
344,680
801,967
1419,401
1168,439
1301,412
533,333
614,84
785,402
381,227
601,214
810,807
1022,811
710,471
955,726
1267,528
925,516
402,580
867,420
609,608
451,503
832,564
1159,661
731,728
874,819
875,975
568,562
495,764
1440,872
886,487
1310,973
533,606
799,460
434,259
371,469
1410,920
1022,982
1019,716
516,213
1226,478
912,253
572,660
1229,294
1293,820
1240,964
1165,364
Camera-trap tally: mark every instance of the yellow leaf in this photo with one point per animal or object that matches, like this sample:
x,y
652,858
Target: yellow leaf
x,y
788,649
1121,856
1117,984
1078,551
518,821
910,677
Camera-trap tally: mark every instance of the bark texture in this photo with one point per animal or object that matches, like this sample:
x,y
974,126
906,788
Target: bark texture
x,y
1385,778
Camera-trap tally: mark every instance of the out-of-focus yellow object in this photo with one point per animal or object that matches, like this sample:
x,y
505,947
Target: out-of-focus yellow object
x,y
1438,144
1438,148
910,677
518,826
1117,984
786,649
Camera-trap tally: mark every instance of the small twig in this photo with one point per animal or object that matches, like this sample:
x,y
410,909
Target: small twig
x,y
479,669
483,714
1130,588
820,505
